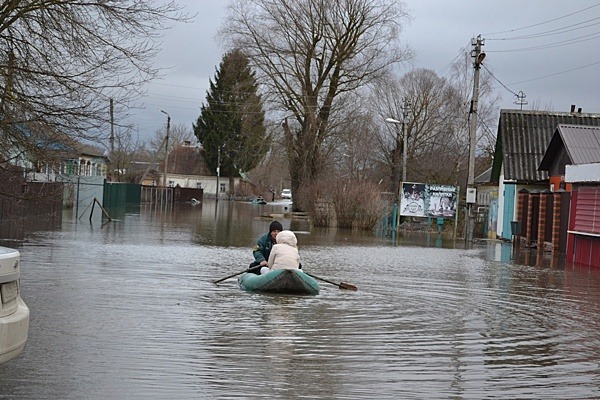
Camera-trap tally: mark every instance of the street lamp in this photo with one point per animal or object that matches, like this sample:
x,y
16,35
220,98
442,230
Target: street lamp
x,y
166,147
218,172
404,144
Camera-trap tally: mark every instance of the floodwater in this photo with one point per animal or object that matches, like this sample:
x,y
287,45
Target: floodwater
x,y
128,310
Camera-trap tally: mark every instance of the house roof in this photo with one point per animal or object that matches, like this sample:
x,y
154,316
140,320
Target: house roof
x,y
88,150
523,138
187,160
484,177
581,142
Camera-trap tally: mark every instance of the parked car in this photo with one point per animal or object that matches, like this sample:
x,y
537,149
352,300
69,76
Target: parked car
x,y
286,194
14,314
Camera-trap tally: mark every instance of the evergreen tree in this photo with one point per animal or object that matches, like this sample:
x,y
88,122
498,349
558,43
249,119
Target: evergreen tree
x,y
231,125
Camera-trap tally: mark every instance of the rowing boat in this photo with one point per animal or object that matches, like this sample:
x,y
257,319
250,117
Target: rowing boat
x,y
286,281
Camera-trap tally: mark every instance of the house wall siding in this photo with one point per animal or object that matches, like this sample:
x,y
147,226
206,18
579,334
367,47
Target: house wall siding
x,y
584,227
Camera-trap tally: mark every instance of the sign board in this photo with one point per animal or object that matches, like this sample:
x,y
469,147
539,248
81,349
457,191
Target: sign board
x,y
471,195
427,200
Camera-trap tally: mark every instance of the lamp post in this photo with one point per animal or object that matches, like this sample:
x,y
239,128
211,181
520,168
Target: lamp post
x,y
405,111
218,172
166,147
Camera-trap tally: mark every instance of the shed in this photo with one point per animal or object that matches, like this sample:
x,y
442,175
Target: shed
x,y
571,145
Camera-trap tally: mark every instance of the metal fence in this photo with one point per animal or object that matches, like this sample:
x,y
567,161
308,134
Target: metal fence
x,y
27,207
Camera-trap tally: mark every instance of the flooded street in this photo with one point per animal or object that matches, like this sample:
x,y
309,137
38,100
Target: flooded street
x,y
128,310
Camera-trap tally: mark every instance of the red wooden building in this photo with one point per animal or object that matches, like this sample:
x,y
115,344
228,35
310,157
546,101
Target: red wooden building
x,y
573,163
583,240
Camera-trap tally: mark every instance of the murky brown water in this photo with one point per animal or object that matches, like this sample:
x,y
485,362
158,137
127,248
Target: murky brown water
x,y
128,310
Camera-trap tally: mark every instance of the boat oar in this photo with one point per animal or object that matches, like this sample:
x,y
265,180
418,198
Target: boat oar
x,y
341,285
238,273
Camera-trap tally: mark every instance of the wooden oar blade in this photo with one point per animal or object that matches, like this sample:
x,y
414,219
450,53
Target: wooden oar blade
x,y
237,273
347,286
342,285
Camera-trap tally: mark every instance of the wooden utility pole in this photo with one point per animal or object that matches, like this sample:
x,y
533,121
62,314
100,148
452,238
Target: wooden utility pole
x,y
405,111
478,57
112,128
165,169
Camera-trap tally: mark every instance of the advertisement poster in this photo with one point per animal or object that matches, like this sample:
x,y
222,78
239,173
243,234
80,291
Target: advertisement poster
x,y
412,201
426,200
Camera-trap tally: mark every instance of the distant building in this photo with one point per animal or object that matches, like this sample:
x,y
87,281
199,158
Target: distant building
x,y
79,159
187,169
45,155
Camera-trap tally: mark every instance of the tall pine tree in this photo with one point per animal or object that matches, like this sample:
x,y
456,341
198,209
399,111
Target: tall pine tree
x,y
231,125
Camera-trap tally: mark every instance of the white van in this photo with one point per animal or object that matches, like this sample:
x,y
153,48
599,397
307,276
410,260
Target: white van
x,y
14,314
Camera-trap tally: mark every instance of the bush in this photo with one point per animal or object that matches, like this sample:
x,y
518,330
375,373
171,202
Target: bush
x,y
345,204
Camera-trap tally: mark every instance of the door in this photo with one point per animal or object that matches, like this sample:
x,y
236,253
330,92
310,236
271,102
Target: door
x,y
509,209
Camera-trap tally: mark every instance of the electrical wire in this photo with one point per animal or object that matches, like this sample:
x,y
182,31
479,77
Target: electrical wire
x,y
580,39
556,31
543,22
556,73
498,80
461,52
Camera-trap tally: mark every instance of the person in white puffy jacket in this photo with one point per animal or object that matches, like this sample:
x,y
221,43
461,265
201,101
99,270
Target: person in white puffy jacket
x,y
284,254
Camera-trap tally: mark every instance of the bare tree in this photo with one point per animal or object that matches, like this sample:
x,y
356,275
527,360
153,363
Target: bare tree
x,y
62,60
355,153
178,135
430,109
308,55
436,125
121,156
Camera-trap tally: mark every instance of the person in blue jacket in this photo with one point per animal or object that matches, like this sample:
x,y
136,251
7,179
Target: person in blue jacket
x,y
263,247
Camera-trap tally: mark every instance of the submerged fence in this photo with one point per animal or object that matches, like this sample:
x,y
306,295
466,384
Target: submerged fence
x,y
27,207
161,198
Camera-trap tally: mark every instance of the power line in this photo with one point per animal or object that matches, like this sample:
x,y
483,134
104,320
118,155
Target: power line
x,y
556,73
498,80
543,22
461,52
579,39
564,29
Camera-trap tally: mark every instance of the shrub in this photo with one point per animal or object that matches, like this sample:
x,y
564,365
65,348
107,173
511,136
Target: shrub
x,y
353,204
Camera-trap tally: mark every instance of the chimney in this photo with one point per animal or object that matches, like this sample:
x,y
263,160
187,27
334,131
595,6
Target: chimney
x,y
572,108
579,110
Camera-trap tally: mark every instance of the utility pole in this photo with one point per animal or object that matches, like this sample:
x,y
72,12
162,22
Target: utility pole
x,y
112,143
478,57
405,111
398,188
166,147
218,172
112,128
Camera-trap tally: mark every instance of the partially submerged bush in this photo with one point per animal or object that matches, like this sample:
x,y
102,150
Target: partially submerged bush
x,y
345,204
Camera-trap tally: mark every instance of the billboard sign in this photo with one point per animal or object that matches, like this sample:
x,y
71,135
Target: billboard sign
x,y
427,200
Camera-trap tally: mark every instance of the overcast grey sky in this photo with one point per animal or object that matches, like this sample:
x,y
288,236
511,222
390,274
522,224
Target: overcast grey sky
x,y
547,49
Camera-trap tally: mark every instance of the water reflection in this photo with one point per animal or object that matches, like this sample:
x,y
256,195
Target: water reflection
x,y
128,310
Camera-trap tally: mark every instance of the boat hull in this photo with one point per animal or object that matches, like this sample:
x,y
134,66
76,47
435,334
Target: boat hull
x,y
285,281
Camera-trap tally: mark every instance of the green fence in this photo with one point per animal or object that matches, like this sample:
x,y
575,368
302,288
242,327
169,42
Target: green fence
x,y
117,194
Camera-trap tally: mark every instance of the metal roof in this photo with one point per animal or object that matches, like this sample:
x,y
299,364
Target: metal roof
x,y
581,145
523,138
581,142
